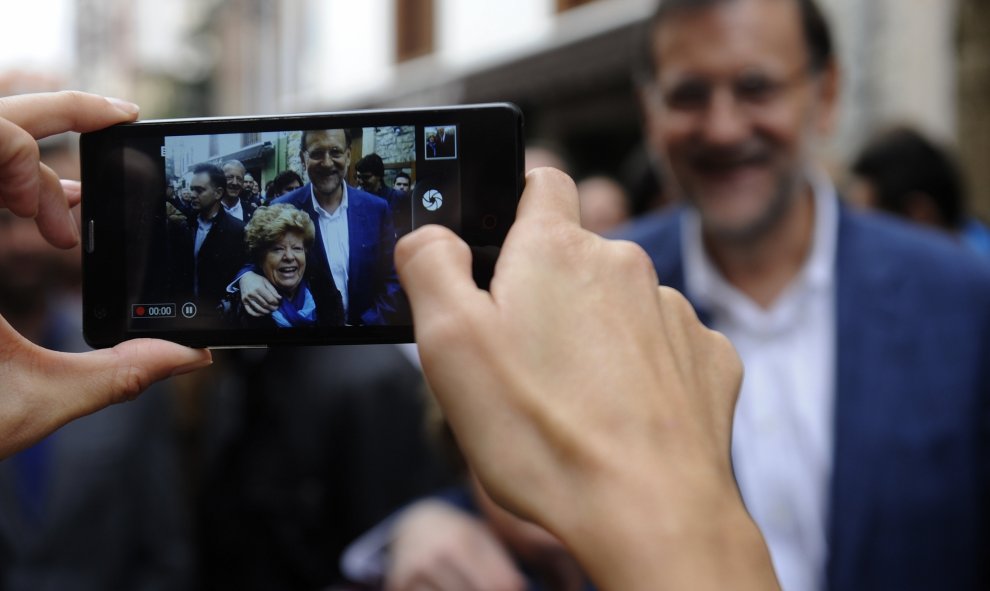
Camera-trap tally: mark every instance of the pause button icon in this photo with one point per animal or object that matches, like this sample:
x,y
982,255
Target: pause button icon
x,y
188,309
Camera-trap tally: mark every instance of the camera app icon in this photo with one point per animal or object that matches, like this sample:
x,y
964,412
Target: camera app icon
x,y
432,200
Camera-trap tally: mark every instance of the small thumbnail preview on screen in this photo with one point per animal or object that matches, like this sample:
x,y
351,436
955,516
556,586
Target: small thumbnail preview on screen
x,y
440,142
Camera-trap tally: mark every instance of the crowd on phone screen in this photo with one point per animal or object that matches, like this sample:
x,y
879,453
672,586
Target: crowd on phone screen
x,y
319,267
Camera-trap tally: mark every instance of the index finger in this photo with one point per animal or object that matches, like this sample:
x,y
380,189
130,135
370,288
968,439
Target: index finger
x,y
549,193
50,113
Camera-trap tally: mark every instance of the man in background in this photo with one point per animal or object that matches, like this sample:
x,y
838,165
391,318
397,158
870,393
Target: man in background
x,y
211,250
236,199
371,177
903,172
604,204
403,182
252,190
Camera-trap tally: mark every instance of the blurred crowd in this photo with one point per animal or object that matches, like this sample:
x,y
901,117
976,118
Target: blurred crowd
x,y
330,467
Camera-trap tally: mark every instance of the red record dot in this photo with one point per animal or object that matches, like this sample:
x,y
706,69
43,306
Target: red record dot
x,y
139,310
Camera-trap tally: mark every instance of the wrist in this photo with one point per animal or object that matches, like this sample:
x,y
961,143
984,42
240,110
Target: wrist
x,y
670,537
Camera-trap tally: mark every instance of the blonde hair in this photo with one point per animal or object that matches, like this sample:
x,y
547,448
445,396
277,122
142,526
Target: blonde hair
x,y
271,223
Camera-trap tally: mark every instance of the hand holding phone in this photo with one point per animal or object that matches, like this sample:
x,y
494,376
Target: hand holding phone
x,y
45,389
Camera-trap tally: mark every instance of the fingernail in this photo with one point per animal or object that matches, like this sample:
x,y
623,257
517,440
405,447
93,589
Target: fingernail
x,y
190,367
125,106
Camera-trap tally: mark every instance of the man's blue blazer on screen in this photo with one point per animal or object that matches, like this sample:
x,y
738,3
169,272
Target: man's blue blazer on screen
x,y
909,498
373,286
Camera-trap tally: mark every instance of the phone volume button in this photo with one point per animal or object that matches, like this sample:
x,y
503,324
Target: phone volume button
x,y
90,237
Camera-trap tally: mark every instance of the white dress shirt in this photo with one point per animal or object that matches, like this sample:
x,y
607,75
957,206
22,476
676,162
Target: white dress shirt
x,y
336,245
783,432
203,228
237,210
202,231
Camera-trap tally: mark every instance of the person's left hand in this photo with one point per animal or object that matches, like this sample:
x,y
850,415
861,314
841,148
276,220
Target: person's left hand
x,y
42,390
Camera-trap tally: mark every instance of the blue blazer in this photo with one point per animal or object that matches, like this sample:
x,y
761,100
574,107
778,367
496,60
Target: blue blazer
x,y
910,487
373,286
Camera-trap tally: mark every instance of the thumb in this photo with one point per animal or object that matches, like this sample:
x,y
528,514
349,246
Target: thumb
x,y
119,374
434,267
44,390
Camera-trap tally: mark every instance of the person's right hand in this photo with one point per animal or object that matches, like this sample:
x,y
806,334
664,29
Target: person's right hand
x,y
259,296
587,399
436,546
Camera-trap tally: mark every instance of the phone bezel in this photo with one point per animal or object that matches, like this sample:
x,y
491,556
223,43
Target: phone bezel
x,y
490,143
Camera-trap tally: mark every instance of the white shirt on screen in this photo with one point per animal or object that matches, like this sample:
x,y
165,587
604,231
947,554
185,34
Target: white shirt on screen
x,y
336,245
237,210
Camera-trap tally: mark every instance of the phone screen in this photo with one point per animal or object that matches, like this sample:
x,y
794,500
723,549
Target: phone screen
x,y
238,233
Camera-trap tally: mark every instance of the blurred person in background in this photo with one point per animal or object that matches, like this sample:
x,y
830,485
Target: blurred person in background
x,y
541,153
109,479
306,448
604,203
640,175
903,172
542,561
853,329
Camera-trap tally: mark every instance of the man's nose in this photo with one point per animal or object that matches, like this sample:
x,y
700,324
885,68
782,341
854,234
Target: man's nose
x,y
725,121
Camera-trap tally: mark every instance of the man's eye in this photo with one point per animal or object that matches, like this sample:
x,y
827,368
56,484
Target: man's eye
x,y
755,89
688,96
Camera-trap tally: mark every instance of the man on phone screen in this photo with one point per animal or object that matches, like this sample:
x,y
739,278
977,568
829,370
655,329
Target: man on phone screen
x,y
355,237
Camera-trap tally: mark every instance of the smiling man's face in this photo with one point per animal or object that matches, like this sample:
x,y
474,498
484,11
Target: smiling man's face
x,y
327,158
736,109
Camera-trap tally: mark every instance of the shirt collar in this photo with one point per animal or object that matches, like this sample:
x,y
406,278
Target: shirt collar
x,y
705,283
233,209
341,209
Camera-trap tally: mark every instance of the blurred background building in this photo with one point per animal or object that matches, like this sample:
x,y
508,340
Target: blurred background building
x,y
566,62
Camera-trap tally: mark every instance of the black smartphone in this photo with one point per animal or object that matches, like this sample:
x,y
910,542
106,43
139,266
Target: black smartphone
x,y
260,231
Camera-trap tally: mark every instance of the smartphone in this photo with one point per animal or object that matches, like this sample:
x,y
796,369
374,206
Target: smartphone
x,y
263,231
